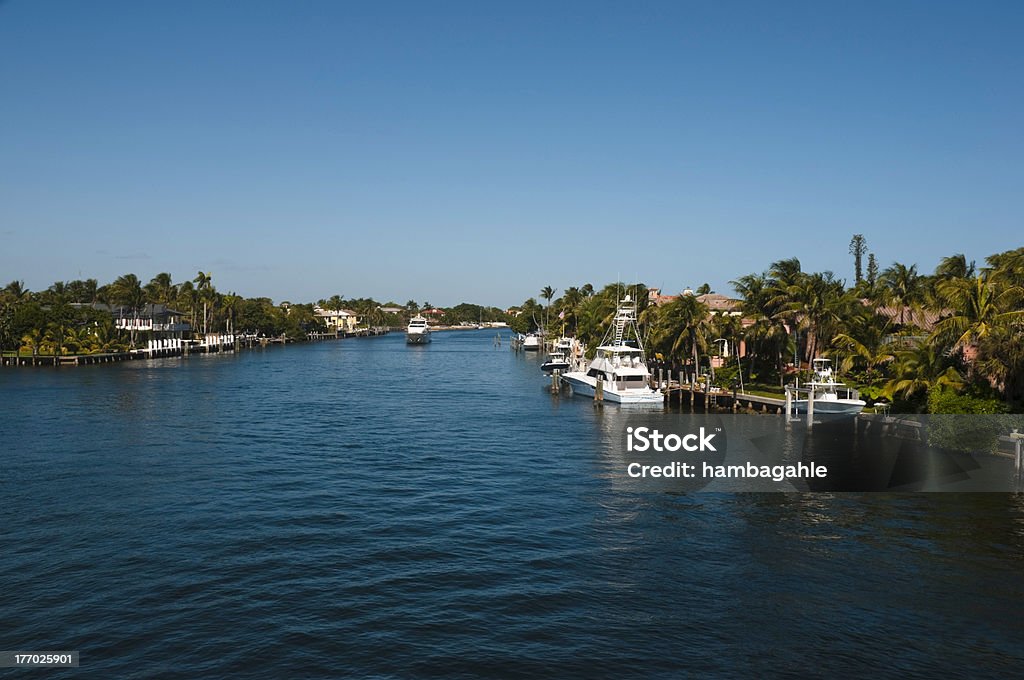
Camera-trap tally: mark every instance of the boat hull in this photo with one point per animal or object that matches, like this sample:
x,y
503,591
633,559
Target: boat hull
x,y
846,407
417,338
585,386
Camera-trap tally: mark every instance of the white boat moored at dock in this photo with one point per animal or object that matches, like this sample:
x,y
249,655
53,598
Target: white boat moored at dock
x,y
618,371
826,393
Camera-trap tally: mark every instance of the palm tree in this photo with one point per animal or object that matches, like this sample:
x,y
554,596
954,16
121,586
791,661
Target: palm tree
x,y
15,292
188,294
570,303
34,338
862,344
127,291
160,289
903,287
1007,269
981,307
782,276
61,314
955,267
766,336
230,304
818,301
547,292
204,286
920,369
683,326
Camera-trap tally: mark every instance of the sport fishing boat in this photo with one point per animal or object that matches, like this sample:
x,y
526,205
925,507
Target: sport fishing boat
x,y
619,365
826,391
417,332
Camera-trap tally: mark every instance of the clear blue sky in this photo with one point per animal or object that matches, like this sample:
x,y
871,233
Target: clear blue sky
x,y
478,151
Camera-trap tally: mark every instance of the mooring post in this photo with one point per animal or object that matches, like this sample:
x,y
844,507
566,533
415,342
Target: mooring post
x,y
810,408
1018,462
599,392
789,403
1019,446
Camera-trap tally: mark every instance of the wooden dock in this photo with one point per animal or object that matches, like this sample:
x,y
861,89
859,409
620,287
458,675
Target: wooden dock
x,y
177,347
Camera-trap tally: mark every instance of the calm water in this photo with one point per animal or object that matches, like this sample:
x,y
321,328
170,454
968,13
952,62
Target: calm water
x,y
363,508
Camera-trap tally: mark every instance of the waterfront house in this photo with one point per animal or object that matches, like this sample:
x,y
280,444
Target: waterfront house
x,y
716,303
159,320
338,320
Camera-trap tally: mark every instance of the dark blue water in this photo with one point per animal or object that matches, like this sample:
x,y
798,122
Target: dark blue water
x,y
366,509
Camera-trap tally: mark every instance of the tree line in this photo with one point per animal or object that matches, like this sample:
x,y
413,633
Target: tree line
x,y
949,340
74,317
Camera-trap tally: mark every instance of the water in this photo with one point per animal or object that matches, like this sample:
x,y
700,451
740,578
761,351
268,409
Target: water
x,y
363,508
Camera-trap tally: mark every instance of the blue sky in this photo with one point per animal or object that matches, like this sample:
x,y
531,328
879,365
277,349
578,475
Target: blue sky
x,y
479,151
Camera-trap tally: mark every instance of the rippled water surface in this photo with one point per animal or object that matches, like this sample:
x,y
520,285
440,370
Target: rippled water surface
x,y
364,508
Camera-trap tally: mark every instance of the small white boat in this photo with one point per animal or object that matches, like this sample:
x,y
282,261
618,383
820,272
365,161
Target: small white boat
x,y
619,366
417,332
555,361
826,391
531,342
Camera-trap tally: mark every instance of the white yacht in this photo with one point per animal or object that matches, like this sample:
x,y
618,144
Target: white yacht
x,y
417,332
531,343
619,364
827,397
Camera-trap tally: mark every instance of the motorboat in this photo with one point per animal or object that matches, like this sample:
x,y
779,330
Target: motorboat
x,y
417,332
556,360
618,369
830,397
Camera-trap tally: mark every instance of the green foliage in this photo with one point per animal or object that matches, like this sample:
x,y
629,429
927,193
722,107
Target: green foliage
x,y
948,401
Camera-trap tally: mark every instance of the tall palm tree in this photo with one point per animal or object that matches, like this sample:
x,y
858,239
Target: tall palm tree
x,y
767,335
903,287
570,303
683,327
547,292
204,286
160,289
230,304
819,301
188,295
127,291
782,276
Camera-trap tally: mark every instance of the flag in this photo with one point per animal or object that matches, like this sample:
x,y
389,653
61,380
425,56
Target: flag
x,y
561,314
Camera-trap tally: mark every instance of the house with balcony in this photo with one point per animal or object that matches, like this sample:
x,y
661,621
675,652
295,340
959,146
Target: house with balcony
x,y
337,320
157,319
